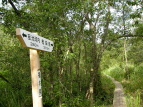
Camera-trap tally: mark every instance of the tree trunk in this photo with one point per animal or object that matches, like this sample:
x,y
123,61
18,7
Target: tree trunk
x,y
60,85
91,87
78,68
127,75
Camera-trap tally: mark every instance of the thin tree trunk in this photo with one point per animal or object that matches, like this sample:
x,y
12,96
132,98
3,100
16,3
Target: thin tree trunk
x,y
91,87
60,85
126,60
71,79
78,68
91,91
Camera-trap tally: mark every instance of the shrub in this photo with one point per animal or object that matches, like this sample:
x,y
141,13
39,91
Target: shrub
x,y
116,72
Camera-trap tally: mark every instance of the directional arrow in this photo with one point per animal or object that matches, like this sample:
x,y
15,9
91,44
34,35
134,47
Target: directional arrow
x,y
51,44
24,35
34,41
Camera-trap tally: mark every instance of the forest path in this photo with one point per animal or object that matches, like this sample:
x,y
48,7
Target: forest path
x,y
119,98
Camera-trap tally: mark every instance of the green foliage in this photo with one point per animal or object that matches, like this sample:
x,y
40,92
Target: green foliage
x,y
139,30
116,72
135,51
15,64
129,69
135,80
132,85
134,101
76,101
77,50
105,96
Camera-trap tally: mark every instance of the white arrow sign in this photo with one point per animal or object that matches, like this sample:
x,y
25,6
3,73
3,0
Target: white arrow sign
x,y
33,41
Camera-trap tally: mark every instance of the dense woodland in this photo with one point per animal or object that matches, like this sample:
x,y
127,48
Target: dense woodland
x,y
92,39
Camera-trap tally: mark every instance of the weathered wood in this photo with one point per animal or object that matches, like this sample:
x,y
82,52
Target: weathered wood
x,y
18,34
119,98
35,67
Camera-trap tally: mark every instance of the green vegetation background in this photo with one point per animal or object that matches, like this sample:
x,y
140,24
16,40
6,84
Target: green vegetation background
x,y
92,38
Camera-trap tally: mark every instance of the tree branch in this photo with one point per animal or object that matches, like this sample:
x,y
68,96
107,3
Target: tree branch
x,y
2,77
123,36
15,9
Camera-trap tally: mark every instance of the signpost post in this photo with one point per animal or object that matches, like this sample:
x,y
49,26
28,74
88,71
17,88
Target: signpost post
x,y
35,43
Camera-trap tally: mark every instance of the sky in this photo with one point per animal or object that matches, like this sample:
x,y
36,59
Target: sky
x,y
5,5
0,3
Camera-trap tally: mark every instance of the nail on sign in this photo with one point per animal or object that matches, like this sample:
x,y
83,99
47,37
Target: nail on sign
x,y
33,41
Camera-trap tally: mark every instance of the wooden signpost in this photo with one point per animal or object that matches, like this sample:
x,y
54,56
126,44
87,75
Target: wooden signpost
x,y
35,43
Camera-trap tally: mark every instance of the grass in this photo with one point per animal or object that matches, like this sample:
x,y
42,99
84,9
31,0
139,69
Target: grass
x,y
133,101
132,82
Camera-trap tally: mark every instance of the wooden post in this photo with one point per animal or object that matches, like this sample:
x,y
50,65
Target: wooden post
x,y
33,41
35,68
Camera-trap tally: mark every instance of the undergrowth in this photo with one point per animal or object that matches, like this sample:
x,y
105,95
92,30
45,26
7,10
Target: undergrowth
x,y
132,82
106,96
